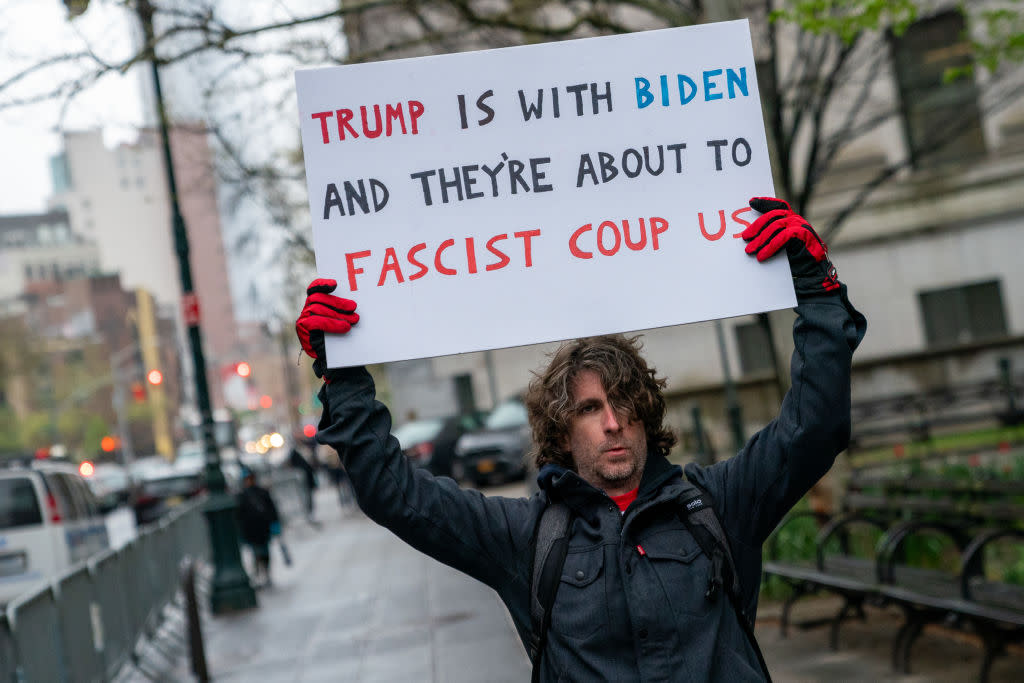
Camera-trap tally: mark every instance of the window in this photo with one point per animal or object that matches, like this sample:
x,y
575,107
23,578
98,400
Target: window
x,y
964,314
511,413
57,484
60,174
18,503
941,119
754,347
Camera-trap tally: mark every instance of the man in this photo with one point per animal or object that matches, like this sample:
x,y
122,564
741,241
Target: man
x,y
258,521
634,601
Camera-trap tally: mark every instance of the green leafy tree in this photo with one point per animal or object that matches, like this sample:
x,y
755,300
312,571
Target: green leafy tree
x,y
94,429
10,434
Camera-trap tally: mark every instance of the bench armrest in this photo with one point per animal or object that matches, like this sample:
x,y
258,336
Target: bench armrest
x,y
971,565
892,541
835,525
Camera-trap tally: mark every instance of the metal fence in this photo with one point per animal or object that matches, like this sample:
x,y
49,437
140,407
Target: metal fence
x,y
86,625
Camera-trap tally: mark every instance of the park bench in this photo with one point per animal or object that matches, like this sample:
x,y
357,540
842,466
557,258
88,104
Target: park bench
x,y
861,554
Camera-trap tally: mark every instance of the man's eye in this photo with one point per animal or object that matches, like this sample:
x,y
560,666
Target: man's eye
x,y
589,408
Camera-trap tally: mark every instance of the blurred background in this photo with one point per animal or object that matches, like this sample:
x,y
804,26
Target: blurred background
x,y
897,128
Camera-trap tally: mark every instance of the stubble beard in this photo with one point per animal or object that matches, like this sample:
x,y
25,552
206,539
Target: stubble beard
x,y
616,474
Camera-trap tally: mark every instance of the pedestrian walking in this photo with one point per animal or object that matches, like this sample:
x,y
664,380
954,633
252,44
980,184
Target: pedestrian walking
x,y
332,461
259,522
299,462
619,568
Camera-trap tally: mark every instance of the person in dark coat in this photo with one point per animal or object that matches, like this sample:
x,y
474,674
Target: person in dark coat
x,y
633,601
296,460
259,522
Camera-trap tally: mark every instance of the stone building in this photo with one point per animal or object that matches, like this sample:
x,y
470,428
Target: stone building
x,y
918,186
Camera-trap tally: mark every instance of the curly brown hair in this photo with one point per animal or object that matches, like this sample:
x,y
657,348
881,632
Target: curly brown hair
x,y
631,385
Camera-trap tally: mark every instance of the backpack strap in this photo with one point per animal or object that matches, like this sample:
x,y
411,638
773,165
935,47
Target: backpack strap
x,y
551,546
698,514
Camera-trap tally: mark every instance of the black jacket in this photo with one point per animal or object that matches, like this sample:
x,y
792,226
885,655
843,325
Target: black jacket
x,y
620,614
256,512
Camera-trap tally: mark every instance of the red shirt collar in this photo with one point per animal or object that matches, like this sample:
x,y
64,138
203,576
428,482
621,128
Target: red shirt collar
x,y
625,499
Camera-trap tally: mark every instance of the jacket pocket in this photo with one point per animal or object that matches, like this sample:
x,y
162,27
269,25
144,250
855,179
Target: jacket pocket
x,y
581,607
681,568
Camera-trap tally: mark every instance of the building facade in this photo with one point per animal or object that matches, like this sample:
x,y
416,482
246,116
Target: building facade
x,y
919,189
117,197
42,247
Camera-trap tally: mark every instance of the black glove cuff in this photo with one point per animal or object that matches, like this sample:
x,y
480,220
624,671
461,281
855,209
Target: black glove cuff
x,y
813,278
321,370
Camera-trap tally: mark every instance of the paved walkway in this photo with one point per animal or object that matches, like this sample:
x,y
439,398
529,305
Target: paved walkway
x,y
359,605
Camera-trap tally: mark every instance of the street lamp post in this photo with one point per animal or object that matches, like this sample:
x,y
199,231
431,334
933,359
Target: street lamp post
x,y
231,589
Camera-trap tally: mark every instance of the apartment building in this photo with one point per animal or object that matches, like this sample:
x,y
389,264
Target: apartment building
x,y
117,198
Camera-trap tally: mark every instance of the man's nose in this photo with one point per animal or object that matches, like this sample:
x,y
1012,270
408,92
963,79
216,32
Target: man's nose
x,y
612,422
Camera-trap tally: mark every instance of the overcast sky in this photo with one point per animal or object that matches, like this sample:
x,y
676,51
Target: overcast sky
x,y
29,136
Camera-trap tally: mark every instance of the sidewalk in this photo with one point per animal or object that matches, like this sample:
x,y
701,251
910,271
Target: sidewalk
x,y
360,605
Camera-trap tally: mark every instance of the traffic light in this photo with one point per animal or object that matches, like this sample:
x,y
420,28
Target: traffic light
x,y
154,377
138,392
243,369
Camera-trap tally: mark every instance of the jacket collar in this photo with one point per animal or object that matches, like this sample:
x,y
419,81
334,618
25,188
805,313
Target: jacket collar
x,y
562,484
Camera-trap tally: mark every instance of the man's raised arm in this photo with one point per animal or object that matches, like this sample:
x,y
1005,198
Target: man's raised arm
x,y
481,536
780,463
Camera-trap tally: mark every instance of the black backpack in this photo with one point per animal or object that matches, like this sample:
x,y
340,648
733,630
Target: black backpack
x,y
552,543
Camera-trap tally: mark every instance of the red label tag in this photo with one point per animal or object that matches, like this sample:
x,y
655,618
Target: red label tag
x,y
190,309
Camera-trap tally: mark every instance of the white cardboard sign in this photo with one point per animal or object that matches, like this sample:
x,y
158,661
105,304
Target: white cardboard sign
x,y
530,194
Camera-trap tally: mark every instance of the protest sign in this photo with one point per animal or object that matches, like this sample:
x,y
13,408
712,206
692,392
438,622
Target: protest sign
x,y
529,194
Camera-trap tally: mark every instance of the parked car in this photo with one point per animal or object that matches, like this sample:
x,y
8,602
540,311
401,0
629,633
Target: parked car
x,y
49,521
497,452
431,443
160,486
111,485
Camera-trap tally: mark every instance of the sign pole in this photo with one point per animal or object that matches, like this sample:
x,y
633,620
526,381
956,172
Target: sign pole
x,y
231,589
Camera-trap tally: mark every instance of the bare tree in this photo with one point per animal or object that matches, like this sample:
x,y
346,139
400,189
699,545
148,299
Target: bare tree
x,y
817,63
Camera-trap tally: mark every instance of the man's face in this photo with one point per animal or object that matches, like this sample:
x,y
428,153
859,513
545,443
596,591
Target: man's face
x,y
609,448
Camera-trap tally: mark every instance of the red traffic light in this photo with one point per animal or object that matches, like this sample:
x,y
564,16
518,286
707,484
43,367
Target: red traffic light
x,y
309,431
243,369
138,392
155,377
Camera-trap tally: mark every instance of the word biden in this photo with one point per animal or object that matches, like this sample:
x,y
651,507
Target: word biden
x,y
710,83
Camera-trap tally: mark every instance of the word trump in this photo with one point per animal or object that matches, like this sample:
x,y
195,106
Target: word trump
x,y
419,258
383,123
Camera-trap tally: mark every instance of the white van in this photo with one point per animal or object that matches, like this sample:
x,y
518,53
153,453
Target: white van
x,y
49,521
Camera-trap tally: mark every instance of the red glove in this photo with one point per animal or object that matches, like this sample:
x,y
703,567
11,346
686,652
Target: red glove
x,y
322,313
778,226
